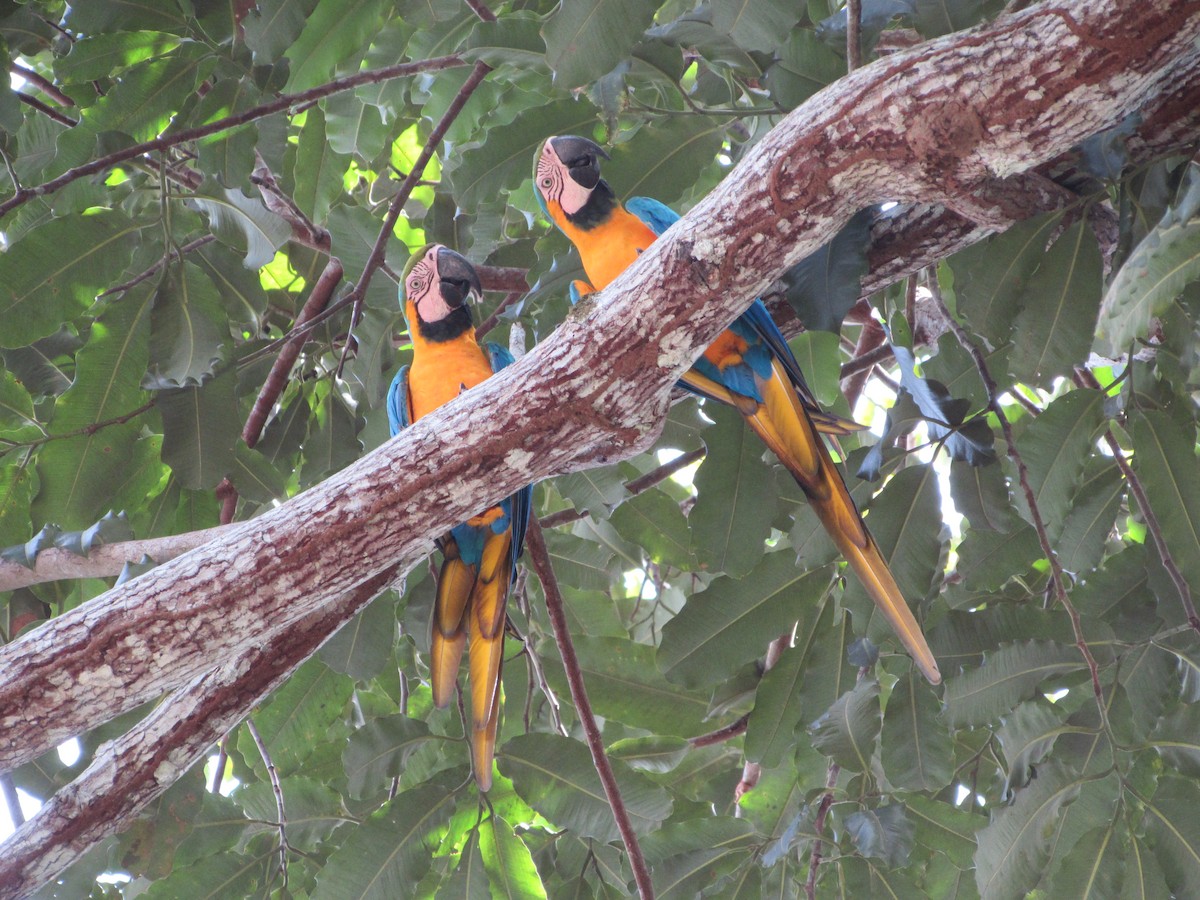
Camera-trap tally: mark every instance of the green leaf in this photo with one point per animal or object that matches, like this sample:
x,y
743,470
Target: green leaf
x,y
243,223
199,434
272,25
650,754
1089,522
98,55
1163,263
593,491
1013,849
504,159
314,809
469,881
298,717
555,776
254,477
782,701
77,472
506,859
733,619
229,154
363,646
1057,324
54,272
18,484
1055,447
240,290
1008,676
377,752
319,170
386,855
945,828
732,516
1027,735
1177,740
804,65
882,833
1173,829
94,18
847,731
1165,460
664,162
334,33
917,748
512,40
189,338
146,96
583,565
586,38
333,443
1095,867
653,520
987,560
623,685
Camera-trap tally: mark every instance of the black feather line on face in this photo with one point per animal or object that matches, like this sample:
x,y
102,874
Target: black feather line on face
x,y
598,208
454,325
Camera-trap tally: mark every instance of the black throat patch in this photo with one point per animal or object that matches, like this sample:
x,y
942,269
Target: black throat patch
x,y
598,208
454,325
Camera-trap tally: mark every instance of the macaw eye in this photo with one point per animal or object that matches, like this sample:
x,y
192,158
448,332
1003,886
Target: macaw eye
x,y
546,182
415,285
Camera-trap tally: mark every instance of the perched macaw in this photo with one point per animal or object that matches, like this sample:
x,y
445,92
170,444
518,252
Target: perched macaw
x,y
480,555
750,366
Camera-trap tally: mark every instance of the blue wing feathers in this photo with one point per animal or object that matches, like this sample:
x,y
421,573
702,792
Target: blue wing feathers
x,y
397,402
657,216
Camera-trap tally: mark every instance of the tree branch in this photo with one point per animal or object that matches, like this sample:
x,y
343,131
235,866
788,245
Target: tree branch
x,y
540,557
141,764
284,101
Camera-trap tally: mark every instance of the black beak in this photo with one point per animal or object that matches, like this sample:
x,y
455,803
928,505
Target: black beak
x,y
581,157
459,280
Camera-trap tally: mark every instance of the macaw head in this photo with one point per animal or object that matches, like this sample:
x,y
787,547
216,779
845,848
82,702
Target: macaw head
x,y
435,288
567,173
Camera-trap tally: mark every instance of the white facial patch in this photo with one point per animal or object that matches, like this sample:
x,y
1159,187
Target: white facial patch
x,y
555,183
424,290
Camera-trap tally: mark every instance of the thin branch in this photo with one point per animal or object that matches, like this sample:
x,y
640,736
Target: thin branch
x,y
273,775
502,278
540,557
11,799
871,338
814,862
44,84
636,486
853,34
107,560
752,771
49,111
480,10
86,430
154,269
865,361
490,322
285,101
721,735
378,252
1084,378
539,676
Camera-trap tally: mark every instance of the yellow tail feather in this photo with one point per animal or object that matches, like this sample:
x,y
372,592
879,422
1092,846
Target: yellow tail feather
x,y
448,630
784,426
485,658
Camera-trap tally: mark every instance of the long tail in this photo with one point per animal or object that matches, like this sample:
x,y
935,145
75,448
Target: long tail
x,y
448,631
489,601
785,427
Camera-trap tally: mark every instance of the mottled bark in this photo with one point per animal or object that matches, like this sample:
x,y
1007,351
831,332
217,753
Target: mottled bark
x,y
937,124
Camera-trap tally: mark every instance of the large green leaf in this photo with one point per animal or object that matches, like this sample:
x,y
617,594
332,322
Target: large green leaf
x,y
1009,675
884,833
756,24
663,162
653,520
848,730
555,776
1165,460
623,684
917,748
334,34
78,469
1174,831
54,273
146,96
586,38
363,646
199,434
189,338
1156,272
273,25
377,752
386,855
243,223
1056,325
733,620
506,859
319,170
99,55
1013,849
736,505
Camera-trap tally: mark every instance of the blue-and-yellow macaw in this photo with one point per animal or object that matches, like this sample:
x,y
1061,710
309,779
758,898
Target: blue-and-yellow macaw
x,y
750,366
480,555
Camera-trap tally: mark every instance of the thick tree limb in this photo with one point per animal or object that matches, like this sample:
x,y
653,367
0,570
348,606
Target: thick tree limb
x,y
137,767
931,124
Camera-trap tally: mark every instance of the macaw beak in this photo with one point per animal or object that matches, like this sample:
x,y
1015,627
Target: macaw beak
x,y
581,157
458,281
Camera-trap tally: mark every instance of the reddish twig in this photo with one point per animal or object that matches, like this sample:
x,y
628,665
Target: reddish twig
x,y
45,85
48,111
273,775
154,269
871,338
11,799
482,11
285,101
490,322
866,361
814,861
721,735
503,278
635,487
540,557
853,34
